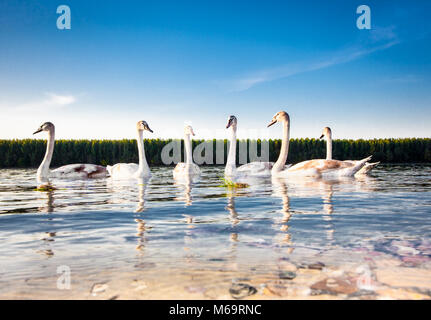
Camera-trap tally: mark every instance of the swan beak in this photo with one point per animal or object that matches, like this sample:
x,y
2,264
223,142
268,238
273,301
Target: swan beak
x,y
321,136
229,123
271,123
193,134
148,129
37,131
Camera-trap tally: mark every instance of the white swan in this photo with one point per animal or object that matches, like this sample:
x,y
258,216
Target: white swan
x,y
71,171
132,170
315,168
327,132
187,168
260,169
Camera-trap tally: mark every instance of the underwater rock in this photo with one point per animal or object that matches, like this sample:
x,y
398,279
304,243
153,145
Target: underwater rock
x,y
241,290
287,275
98,288
334,286
316,266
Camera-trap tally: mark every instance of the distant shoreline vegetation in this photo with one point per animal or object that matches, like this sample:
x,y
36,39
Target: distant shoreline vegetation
x,y
28,153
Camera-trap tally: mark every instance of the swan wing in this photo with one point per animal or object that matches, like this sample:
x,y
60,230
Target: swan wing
x,y
320,167
367,168
256,168
80,171
123,170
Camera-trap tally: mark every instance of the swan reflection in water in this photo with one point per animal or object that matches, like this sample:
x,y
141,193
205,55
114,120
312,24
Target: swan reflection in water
x,y
303,187
185,186
280,189
128,191
46,195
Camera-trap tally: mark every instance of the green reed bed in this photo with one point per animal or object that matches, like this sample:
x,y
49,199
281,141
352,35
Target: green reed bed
x,y
29,152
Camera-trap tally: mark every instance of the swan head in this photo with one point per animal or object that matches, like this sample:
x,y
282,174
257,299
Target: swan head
x,y
231,122
326,132
188,130
143,125
47,126
281,116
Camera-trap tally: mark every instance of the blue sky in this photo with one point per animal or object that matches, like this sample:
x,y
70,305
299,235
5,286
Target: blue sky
x,y
171,62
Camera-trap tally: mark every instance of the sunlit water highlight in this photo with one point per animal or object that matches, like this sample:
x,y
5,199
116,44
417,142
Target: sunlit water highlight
x,y
159,229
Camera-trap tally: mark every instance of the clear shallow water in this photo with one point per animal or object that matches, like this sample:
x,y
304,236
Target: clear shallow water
x,y
151,228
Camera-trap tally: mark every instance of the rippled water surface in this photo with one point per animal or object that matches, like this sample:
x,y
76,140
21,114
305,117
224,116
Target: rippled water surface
x,y
171,234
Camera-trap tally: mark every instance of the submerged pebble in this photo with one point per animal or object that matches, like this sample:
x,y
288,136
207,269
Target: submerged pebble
x,y
334,286
241,290
287,275
98,288
316,266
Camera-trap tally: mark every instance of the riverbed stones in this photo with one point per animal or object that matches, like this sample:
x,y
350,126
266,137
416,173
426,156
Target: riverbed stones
x,y
241,290
98,288
287,275
316,266
334,286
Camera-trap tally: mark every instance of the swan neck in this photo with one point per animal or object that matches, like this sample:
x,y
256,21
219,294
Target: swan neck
x,y
231,157
188,149
279,165
329,147
43,170
143,165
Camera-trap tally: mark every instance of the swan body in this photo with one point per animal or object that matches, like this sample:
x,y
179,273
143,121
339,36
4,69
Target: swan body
x,y
71,171
325,168
311,168
327,132
257,169
133,170
188,168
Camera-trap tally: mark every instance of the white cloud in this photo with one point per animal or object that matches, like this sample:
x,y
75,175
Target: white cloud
x,y
52,100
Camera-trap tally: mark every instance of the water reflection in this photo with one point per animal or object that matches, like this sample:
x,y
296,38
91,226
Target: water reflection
x,y
280,189
47,198
129,191
185,186
140,234
234,221
233,214
116,223
142,187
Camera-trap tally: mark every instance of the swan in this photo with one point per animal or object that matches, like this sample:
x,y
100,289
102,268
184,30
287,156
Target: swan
x,y
314,168
71,171
261,169
327,132
188,168
132,170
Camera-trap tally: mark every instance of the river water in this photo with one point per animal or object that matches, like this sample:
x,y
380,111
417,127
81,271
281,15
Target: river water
x,y
160,238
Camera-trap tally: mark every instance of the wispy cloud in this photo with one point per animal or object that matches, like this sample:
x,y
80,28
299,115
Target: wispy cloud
x,y
379,39
52,100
